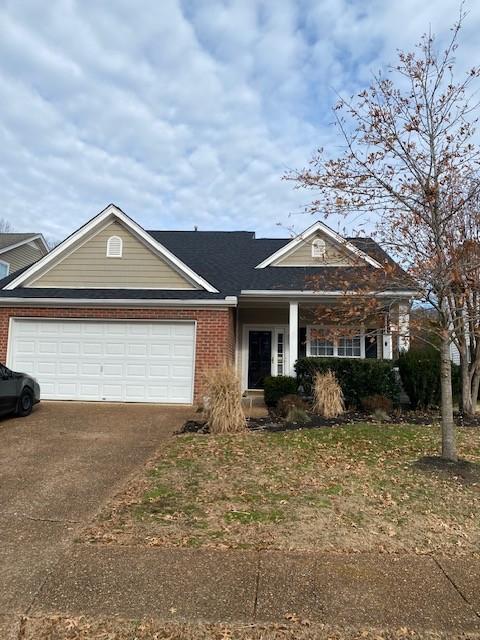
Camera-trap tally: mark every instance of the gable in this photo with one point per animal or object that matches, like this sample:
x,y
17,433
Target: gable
x,y
87,266
338,251
336,255
22,256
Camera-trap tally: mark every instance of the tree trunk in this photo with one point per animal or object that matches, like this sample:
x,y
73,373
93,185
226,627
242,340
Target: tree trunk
x,y
449,445
466,405
475,386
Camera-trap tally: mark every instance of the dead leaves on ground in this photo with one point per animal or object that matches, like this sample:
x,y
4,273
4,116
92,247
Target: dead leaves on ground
x,y
353,488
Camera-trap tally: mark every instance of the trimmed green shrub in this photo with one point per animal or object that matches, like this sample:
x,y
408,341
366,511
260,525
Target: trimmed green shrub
x,y
358,378
420,374
276,387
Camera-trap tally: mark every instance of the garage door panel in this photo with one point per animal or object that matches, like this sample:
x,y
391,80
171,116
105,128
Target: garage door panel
x,y
160,350
69,348
67,389
103,360
113,370
92,348
113,391
47,368
90,369
140,349
182,350
67,368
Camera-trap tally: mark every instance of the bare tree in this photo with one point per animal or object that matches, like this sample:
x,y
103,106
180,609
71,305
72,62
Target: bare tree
x,y
6,226
409,163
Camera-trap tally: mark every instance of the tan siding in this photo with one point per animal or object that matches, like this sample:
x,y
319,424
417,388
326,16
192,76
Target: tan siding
x,y
302,256
88,266
21,257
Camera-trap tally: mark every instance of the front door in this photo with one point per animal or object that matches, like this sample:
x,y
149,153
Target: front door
x,y
259,358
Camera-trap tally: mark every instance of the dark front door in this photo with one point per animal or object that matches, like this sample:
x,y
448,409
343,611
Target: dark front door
x,y
259,358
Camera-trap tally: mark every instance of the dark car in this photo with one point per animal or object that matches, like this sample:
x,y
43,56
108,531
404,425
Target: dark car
x,y
18,392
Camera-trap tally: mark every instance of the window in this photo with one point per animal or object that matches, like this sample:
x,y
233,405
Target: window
x,y
4,269
319,344
114,247
349,347
280,354
318,248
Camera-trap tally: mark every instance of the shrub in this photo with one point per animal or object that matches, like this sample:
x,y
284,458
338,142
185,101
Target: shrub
x,y
420,374
223,406
285,404
327,395
357,378
277,387
377,402
298,415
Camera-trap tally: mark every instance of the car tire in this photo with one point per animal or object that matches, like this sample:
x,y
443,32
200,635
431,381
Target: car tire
x,y
25,403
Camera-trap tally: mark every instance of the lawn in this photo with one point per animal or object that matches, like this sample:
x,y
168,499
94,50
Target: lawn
x,y
350,488
63,628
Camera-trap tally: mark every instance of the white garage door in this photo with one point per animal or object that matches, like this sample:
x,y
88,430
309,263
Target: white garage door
x,y
112,361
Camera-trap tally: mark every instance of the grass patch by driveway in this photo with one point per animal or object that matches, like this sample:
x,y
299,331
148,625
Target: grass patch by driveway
x,y
349,488
70,628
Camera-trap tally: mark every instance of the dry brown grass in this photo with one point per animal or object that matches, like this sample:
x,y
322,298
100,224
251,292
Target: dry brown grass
x,y
350,488
223,410
327,395
114,628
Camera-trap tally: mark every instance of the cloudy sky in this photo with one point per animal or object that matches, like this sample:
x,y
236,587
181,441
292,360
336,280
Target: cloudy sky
x,y
185,112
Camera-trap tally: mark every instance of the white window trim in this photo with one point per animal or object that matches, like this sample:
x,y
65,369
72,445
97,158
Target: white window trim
x,y
8,267
311,327
109,250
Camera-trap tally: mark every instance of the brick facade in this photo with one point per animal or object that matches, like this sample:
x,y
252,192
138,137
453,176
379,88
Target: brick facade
x,y
215,340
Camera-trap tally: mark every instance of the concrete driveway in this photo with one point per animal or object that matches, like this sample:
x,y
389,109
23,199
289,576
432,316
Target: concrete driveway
x,y
57,467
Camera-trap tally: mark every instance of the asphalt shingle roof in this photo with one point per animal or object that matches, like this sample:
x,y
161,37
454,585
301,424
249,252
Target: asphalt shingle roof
x,y
227,260
7,239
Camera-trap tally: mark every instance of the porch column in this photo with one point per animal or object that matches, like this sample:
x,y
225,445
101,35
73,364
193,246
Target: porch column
x,y
403,327
293,338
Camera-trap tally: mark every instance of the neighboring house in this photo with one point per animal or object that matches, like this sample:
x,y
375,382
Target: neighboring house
x,y
19,250
118,313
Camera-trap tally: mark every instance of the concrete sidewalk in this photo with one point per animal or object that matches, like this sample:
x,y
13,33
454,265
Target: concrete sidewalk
x,y
419,592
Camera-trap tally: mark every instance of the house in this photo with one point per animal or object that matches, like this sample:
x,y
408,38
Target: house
x,y
19,250
117,313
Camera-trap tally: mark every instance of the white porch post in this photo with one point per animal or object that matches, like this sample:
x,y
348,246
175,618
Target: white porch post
x,y
403,327
293,337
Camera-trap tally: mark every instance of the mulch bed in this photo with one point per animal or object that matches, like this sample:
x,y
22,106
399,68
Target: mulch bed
x,y
275,423
467,472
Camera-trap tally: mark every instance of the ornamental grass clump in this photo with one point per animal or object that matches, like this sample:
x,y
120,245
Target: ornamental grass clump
x,y
223,403
327,395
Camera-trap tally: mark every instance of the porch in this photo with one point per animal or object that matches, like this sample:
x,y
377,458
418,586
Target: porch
x,y
271,336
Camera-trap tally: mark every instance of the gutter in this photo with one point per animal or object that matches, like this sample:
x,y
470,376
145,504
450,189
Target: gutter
x,y
228,301
270,293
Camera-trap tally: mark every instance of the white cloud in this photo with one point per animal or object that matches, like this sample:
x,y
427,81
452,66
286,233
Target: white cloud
x,y
183,112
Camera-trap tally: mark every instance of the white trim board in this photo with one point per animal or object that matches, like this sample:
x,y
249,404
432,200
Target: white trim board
x,y
122,302
111,212
312,230
272,293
